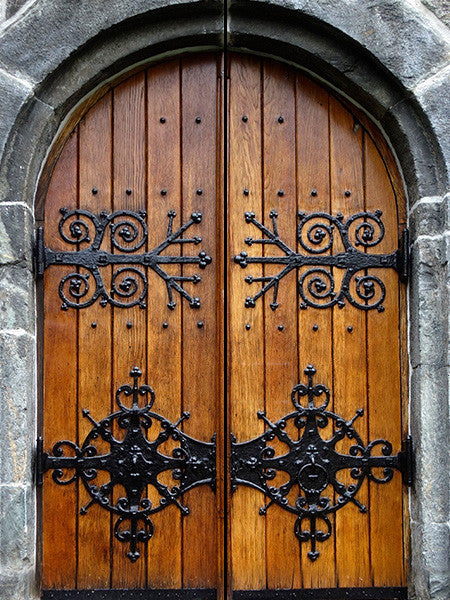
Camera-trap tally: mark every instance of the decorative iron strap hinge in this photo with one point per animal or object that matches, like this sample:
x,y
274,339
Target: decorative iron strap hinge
x,y
321,252
133,463
128,233
314,464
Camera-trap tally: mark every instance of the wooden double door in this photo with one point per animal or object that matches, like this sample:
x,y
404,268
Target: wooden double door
x,y
223,342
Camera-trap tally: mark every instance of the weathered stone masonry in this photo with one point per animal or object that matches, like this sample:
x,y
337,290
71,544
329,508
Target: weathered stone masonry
x,y
389,56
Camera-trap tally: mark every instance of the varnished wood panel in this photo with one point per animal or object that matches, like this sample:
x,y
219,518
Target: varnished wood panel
x,y
164,344
94,331
246,328
315,327
200,367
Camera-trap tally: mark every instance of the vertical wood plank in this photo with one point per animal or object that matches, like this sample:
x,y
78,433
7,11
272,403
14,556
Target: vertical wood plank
x,y
94,343
246,360
164,342
315,325
384,383
349,349
280,326
200,383
129,342
60,397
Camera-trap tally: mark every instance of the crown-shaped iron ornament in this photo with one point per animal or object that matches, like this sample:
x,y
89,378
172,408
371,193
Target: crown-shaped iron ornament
x,y
313,463
316,237
128,233
133,463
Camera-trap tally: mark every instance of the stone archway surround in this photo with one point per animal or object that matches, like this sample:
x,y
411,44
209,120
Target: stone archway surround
x,y
391,58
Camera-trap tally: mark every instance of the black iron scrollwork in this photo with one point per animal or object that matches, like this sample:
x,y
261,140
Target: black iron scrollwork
x,y
133,463
128,233
313,464
317,285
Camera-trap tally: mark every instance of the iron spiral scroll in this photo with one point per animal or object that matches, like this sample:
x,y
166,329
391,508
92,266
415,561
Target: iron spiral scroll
x,y
133,463
316,236
313,464
128,233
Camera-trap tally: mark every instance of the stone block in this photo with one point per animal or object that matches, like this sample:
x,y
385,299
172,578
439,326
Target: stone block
x,y
17,407
30,138
16,528
15,94
430,555
440,8
418,576
428,217
437,541
17,298
428,302
430,430
18,585
16,235
435,101
419,153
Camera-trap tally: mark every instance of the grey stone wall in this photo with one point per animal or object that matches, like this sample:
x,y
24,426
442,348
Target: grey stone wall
x,y
389,56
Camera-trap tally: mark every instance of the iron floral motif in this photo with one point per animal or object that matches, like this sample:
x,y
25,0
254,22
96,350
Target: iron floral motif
x,y
134,462
312,463
317,285
128,234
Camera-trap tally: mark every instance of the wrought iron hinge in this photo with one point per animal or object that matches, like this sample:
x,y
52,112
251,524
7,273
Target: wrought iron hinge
x,y
39,462
114,239
403,257
134,462
39,253
326,243
313,463
406,460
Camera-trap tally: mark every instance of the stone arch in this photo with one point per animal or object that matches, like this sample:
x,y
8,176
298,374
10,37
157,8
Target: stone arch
x,y
389,57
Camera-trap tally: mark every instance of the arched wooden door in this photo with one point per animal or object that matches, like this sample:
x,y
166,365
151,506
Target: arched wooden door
x,y
162,271
316,333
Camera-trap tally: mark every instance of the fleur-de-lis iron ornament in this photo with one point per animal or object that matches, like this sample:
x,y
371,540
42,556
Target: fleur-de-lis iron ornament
x,y
128,233
317,285
313,464
133,463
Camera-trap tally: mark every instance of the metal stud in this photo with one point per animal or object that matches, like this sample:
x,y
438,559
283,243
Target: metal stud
x,y
94,191
315,327
93,324
163,192
162,120
246,192
128,192
280,327
198,119
200,324
199,192
165,325
129,325
280,119
314,192
245,118
349,328
247,326
280,193
347,193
